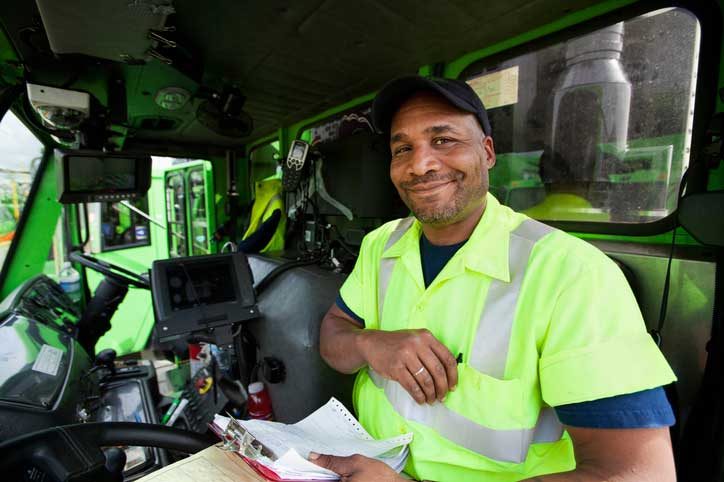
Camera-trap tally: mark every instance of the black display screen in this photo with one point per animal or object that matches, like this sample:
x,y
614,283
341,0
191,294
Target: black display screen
x,y
193,284
199,294
88,174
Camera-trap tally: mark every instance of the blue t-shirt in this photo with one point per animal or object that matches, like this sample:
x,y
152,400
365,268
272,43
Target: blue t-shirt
x,y
645,409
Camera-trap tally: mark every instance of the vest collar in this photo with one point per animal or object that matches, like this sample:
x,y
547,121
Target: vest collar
x,y
485,252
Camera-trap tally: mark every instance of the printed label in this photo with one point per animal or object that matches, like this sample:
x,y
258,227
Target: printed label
x,y
498,88
48,360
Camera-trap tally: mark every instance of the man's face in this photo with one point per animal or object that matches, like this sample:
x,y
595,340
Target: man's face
x,y
440,159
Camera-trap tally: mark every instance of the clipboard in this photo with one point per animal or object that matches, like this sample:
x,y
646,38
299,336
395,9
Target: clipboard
x,y
238,440
212,463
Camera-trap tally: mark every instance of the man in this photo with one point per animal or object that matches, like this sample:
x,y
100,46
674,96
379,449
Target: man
x,y
469,322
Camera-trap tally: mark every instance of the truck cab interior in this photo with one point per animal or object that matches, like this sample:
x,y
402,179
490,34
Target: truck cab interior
x,y
145,143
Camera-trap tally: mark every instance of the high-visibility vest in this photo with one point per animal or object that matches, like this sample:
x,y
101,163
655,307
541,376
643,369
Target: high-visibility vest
x,y
268,198
495,427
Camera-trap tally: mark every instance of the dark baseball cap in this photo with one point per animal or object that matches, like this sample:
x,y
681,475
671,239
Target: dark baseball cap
x,y
397,91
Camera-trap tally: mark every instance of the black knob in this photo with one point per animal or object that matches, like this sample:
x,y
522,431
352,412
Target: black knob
x,y
107,358
273,370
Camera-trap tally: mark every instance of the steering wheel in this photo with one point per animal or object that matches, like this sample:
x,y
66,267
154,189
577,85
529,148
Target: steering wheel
x,y
116,273
72,453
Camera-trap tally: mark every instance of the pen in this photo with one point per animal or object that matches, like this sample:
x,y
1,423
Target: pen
x,y
179,410
170,411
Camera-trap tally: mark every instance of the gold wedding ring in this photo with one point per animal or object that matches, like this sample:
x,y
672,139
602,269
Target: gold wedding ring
x,y
422,369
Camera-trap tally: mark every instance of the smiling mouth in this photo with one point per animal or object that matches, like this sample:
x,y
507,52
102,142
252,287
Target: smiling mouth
x,y
429,188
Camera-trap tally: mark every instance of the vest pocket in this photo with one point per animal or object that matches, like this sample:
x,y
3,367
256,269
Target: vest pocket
x,y
488,401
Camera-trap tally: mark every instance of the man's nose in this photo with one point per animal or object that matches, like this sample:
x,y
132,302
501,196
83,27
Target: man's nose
x,y
424,160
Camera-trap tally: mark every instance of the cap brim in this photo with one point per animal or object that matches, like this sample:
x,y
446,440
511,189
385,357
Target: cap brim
x,y
397,91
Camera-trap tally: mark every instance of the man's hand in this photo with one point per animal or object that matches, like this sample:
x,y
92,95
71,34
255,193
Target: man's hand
x,y
356,468
414,358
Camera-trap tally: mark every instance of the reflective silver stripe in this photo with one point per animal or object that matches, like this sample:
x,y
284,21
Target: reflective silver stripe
x,y
489,355
387,265
502,445
490,348
548,428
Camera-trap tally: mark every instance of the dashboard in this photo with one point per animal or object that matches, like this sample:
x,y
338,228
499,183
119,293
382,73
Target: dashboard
x,y
43,370
47,379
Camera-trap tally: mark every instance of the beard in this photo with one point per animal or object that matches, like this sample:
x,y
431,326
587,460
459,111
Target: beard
x,y
467,191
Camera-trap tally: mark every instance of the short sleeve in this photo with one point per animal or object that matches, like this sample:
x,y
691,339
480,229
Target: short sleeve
x,y
644,409
597,345
343,306
353,289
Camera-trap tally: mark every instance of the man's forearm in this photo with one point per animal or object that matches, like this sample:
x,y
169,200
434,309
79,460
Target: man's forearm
x,y
340,344
618,455
580,474
594,474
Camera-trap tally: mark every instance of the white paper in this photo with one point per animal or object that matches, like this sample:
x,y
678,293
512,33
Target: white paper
x,y
330,430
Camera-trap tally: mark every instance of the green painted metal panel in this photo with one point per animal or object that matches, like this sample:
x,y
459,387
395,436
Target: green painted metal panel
x,y
11,69
32,245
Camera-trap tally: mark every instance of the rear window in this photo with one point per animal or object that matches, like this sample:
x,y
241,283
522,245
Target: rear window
x,y
597,128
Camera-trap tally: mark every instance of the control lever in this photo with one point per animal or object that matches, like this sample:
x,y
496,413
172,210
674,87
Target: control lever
x,y
107,358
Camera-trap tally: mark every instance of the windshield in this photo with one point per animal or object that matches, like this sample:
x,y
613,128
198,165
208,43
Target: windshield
x,y
20,154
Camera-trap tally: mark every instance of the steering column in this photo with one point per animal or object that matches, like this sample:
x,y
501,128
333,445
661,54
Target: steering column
x,y
96,319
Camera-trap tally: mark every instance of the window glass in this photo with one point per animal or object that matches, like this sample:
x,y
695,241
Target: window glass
x,y
176,214
597,128
122,227
197,212
21,155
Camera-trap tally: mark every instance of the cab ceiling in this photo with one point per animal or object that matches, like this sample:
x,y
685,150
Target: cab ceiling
x,y
291,59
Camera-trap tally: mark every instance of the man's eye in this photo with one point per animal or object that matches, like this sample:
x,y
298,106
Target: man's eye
x,y
441,140
401,150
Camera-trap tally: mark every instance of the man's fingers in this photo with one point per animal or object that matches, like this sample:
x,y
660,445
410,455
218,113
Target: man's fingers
x,y
410,384
448,362
437,373
423,378
339,465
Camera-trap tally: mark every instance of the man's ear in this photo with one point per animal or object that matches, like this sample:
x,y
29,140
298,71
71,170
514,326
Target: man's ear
x,y
489,151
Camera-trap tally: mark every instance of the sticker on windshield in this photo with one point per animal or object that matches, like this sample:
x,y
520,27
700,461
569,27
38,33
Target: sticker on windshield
x,y
497,89
48,360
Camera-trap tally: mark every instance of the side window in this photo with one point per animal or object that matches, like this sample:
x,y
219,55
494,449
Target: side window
x,y
176,214
21,153
197,212
122,227
597,128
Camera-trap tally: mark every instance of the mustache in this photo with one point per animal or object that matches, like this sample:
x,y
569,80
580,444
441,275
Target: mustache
x,y
430,177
